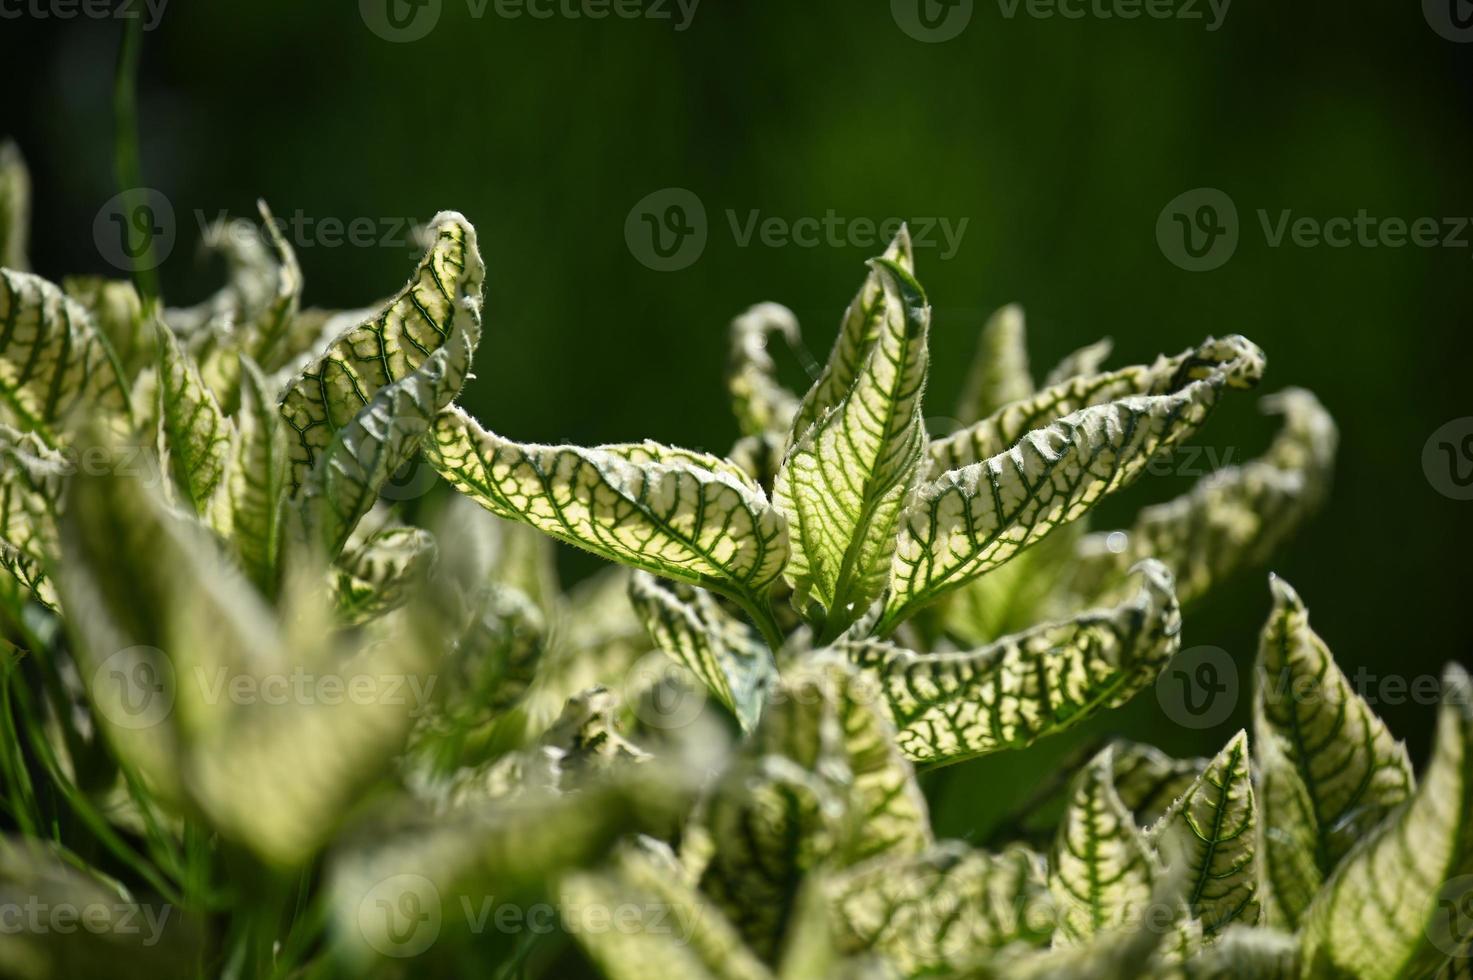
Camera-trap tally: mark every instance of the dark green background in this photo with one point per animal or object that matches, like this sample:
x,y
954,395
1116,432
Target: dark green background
x,y
1060,142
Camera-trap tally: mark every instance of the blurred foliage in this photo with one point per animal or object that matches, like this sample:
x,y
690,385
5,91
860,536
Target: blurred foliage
x,y
1059,141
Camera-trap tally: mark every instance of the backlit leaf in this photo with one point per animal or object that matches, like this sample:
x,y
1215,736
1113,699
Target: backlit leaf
x,y
194,433
1149,781
330,392
844,482
252,498
1308,716
970,520
54,363
115,307
365,451
1238,361
1101,870
1214,826
938,910
950,706
1396,907
726,653
683,515
378,572
858,332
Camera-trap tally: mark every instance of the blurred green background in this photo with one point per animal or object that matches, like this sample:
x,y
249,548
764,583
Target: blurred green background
x,y
1058,141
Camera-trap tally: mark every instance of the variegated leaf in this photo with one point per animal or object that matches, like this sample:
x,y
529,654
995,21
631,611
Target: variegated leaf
x,y
971,520
761,404
999,373
687,516
197,687
1237,361
194,434
1102,870
1396,907
378,572
249,507
772,823
1149,781
1213,831
844,482
951,706
115,307
819,784
350,470
1232,519
937,911
23,578
823,716
728,655
330,392
679,934
32,477
858,332
15,208
54,362
1308,716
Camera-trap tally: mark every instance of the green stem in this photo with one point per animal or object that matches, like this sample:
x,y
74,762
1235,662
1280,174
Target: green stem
x,y
761,614
126,166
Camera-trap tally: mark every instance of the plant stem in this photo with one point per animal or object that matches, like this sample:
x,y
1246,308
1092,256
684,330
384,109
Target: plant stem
x,y
760,612
126,166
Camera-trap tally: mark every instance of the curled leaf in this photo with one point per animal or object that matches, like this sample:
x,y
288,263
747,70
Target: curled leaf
x,y
971,520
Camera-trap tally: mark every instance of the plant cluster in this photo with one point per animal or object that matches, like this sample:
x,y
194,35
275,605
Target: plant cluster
x,y
317,726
